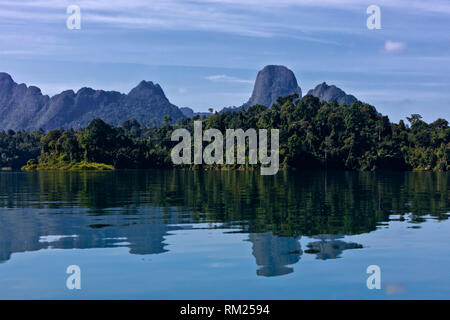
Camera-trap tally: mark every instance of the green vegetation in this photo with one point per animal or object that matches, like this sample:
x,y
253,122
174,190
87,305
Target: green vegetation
x,y
313,134
16,148
62,164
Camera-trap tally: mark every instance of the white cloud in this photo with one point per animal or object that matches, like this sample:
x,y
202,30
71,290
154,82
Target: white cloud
x,y
393,46
225,78
245,17
442,6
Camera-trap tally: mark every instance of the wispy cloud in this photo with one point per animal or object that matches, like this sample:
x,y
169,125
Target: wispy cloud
x,y
244,17
442,6
393,47
225,78
318,39
268,19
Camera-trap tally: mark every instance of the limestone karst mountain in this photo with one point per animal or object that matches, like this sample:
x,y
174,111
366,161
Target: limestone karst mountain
x,y
27,108
273,82
331,93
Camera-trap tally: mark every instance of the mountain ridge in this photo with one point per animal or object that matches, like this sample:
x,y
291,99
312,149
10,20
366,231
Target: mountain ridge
x,y
27,108
274,81
330,93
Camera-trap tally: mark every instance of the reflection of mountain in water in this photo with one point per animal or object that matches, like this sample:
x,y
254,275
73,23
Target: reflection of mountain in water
x,y
274,253
23,230
138,209
329,247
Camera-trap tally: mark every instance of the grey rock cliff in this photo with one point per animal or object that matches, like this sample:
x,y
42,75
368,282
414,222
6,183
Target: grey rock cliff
x,y
332,93
19,104
23,107
271,83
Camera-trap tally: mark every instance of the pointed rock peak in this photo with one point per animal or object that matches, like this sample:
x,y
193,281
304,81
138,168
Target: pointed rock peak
x,y
6,78
145,89
85,91
331,93
34,90
147,85
272,82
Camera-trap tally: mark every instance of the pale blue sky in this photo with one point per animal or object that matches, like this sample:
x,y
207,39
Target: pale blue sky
x,y
207,53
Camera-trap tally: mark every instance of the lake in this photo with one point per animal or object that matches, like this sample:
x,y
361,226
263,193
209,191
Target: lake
x,y
175,234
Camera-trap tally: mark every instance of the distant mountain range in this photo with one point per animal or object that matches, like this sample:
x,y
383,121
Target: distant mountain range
x,y
277,81
25,107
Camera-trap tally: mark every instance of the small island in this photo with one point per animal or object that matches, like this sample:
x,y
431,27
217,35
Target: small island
x,y
33,165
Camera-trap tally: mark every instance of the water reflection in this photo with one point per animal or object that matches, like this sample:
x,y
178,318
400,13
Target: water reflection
x,y
329,246
27,230
140,209
274,253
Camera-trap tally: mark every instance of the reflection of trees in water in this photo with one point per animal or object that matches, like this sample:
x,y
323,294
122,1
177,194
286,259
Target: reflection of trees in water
x,y
274,210
289,203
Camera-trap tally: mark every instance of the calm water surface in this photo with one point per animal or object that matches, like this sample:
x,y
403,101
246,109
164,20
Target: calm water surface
x,y
224,235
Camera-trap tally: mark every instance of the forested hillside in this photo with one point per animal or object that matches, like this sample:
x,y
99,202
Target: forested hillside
x,y
313,134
